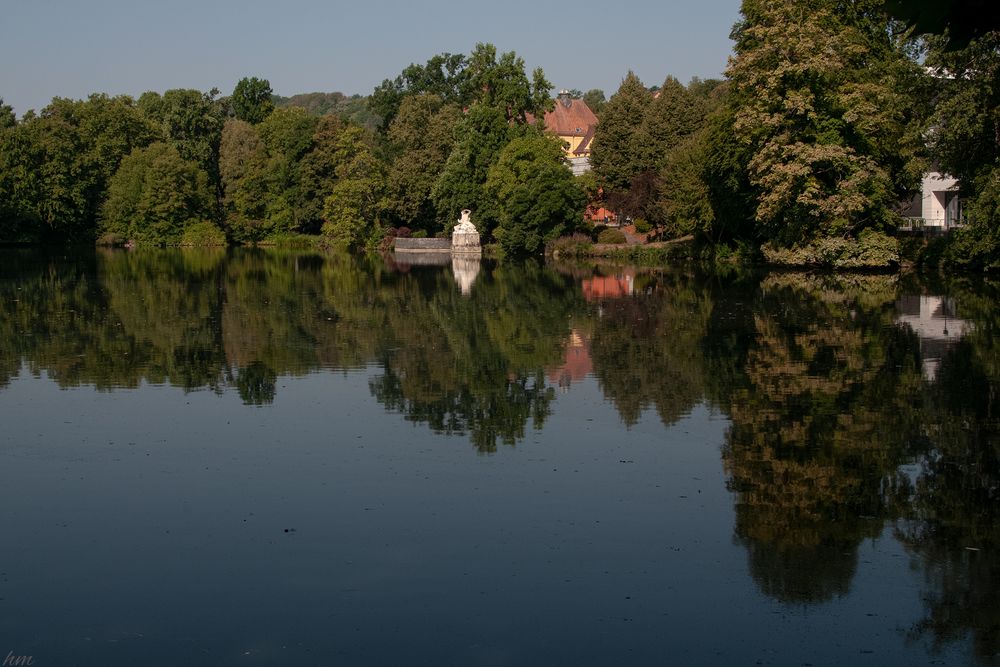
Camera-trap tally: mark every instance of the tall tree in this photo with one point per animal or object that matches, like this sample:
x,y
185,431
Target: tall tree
x,y
537,197
503,83
614,156
353,211
443,75
813,88
192,121
504,98
964,132
57,165
595,100
251,99
317,174
245,182
7,117
673,115
155,195
422,135
482,134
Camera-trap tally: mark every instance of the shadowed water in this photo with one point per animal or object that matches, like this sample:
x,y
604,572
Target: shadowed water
x,y
265,457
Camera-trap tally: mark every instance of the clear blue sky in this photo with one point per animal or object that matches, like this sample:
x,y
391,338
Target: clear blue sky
x,y
71,48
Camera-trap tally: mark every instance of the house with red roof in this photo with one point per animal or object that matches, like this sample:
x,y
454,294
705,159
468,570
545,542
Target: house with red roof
x,y
573,122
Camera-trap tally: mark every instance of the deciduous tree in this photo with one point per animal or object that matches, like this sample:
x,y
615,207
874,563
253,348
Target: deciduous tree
x,y
814,94
422,136
614,156
155,195
536,196
251,100
352,212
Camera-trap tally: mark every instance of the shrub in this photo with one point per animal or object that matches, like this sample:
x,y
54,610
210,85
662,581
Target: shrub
x,y
643,226
203,233
612,236
577,245
872,250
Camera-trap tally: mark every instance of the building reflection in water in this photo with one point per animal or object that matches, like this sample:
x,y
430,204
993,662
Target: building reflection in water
x,y
934,319
576,364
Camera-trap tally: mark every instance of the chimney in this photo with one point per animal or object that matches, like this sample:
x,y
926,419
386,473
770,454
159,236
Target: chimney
x,y
565,99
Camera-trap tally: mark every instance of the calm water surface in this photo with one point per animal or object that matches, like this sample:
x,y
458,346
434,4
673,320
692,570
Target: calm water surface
x,y
283,458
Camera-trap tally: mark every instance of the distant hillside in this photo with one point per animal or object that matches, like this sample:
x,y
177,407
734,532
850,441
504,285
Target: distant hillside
x,y
354,108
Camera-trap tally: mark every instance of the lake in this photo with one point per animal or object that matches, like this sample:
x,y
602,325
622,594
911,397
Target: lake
x,y
273,457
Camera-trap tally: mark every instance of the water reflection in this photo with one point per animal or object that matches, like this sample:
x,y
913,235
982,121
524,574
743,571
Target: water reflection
x,y
815,393
934,320
854,403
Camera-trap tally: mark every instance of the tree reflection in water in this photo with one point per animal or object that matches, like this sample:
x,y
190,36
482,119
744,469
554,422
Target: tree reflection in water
x,y
825,381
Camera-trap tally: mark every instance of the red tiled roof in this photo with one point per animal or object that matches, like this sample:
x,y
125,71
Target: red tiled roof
x,y
569,118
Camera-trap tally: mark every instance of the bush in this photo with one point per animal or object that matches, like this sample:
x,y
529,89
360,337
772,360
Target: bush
x,y
643,226
577,245
203,233
872,250
611,236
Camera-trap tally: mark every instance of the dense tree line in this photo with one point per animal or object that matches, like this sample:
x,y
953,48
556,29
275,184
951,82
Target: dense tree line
x,y
828,115
186,167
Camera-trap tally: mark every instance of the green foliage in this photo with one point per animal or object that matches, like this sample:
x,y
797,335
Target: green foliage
x,y
503,84
614,157
444,75
685,206
611,236
872,250
7,117
251,100
353,109
352,212
575,245
673,116
192,122
245,182
814,98
155,196
642,226
202,234
317,173
287,133
535,194
277,175
595,100
482,134
54,167
422,136
726,177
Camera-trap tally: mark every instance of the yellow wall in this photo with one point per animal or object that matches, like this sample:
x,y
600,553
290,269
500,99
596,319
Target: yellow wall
x,y
574,143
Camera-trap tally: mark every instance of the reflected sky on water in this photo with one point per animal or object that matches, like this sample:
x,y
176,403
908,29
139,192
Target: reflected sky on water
x,y
264,457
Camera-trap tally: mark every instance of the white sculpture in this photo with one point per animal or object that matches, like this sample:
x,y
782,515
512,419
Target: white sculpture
x,y
465,238
465,222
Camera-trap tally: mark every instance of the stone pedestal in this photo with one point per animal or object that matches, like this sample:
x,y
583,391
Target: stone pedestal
x,y
465,238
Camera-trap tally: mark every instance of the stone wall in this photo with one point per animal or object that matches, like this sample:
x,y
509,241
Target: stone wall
x,y
423,245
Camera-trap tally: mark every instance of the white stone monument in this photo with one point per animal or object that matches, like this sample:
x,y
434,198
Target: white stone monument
x,y
465,238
